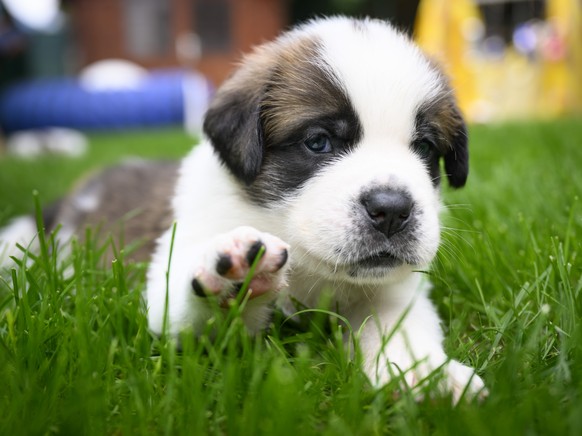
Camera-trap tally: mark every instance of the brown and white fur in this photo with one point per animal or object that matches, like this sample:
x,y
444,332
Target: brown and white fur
x,y
324,147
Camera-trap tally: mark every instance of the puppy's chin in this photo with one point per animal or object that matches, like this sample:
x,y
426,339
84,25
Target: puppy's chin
x,y
365,274
378,269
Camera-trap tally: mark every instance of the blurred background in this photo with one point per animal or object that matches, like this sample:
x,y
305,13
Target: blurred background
x,y
90,65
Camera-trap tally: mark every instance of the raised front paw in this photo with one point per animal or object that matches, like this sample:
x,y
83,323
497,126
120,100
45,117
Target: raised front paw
x,y
228,260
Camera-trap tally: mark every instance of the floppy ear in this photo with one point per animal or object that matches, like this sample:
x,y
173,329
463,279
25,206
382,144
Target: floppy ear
x,y
232,123
457,157
445,114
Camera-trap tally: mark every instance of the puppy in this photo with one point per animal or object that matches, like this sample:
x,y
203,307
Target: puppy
x,y
323,149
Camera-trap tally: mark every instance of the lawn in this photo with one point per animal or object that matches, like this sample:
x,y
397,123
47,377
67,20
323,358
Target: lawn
x,y
76,356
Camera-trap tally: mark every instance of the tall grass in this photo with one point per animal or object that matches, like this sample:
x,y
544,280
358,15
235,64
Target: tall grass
x,y
76,356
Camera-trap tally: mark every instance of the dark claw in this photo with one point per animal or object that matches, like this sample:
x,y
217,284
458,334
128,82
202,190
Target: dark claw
x,y
224,264
254,251
236,288
198,289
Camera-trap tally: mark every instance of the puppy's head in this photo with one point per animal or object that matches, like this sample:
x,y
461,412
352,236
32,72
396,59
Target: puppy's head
x,y
341,125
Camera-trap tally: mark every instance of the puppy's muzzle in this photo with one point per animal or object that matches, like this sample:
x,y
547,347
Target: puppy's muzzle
x,y
387,210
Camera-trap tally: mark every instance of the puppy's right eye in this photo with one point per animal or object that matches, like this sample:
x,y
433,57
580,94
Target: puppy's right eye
x,y
319,144
424,148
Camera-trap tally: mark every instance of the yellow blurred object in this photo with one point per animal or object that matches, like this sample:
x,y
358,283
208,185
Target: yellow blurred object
x,y
562,70
444,29
508,84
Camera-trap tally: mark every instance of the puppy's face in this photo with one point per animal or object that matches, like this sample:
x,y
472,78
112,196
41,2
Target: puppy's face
x,y
341,125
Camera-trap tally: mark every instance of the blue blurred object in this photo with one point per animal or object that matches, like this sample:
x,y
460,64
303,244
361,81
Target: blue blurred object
x,y
525,38
158,101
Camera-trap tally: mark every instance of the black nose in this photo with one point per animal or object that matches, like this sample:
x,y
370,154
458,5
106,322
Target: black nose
x,y
388,209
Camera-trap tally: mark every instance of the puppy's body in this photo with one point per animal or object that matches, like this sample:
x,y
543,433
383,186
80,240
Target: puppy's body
x,y
323,147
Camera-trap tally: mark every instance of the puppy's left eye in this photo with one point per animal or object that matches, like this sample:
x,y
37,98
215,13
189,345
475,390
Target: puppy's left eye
x,y
319,144
424,148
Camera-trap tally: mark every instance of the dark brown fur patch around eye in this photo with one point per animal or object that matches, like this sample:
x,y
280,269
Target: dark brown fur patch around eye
x,y
301,88
302,97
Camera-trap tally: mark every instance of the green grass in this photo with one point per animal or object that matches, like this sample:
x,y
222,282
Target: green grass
x,y
76,356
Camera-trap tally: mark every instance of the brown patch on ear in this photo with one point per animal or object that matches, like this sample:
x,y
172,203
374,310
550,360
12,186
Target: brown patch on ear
x,y
443,119
233,123
457,158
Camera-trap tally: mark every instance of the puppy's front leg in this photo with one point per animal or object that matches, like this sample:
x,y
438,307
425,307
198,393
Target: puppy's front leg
x,y
404,338
213,269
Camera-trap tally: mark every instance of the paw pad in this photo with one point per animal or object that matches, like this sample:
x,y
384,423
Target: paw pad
x,y
229,260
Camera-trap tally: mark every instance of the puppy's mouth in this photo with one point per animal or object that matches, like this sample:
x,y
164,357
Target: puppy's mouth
x,y
382,259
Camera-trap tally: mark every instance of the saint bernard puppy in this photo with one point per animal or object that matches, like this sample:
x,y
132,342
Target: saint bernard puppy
x,y
323,149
